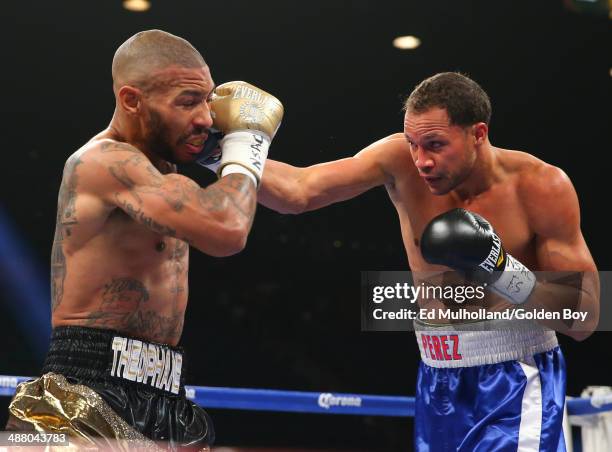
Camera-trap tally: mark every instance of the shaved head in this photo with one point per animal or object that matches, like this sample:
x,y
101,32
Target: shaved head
x,y
147,52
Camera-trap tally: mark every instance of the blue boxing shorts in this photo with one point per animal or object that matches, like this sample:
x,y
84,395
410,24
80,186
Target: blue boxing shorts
x,y
501,388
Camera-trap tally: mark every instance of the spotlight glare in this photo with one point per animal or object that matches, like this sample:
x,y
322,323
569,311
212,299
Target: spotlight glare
x,y
406,42
136,5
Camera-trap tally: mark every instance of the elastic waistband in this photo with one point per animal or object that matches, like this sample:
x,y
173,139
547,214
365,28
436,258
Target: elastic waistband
x,y
491,342
99,354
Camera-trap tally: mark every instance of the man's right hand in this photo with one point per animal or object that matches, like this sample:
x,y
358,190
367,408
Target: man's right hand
x,y
248,117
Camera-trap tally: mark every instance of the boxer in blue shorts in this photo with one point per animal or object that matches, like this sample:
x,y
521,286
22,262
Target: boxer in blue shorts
x,y
462,203
504,389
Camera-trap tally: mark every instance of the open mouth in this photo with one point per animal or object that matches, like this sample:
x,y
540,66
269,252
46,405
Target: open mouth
x,y
194,149
195,145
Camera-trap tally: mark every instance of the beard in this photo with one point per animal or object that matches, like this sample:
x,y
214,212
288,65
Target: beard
x,y
158,133
460,176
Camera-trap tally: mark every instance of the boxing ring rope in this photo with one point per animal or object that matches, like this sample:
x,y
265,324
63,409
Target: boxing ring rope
x,y
318,402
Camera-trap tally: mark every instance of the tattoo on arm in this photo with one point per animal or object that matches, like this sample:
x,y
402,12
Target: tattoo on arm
x,y
236,189
119,172
173,194
138,215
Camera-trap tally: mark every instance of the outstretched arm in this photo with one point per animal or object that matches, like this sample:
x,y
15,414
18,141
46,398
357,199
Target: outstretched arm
x,y
289,189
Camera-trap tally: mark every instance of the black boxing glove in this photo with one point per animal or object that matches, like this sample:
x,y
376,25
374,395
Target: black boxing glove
x,y
466,242
210,157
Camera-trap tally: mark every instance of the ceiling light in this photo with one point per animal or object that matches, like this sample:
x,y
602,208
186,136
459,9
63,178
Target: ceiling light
x,y
136,5
406,42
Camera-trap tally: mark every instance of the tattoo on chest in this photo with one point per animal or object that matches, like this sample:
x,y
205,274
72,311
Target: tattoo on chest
x,y
65,221
124,290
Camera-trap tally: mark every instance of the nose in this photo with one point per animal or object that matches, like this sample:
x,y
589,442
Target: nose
x,y
422,160
203,117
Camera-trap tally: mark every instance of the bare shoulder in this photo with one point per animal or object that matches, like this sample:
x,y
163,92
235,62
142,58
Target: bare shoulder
x,y
81,205
107,162
546,192
538,179
391,153
391,144
96,152
107,149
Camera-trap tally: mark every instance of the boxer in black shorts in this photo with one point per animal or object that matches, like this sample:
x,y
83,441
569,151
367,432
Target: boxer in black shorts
x,y
125,222
141,382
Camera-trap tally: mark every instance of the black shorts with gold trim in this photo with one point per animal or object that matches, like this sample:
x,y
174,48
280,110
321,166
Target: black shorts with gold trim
x,y
100,383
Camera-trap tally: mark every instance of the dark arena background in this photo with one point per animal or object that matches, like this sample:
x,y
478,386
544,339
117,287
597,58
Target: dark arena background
x,y
285,313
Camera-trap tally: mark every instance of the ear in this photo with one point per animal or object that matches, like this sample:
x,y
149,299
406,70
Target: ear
x,y
481,131
130,99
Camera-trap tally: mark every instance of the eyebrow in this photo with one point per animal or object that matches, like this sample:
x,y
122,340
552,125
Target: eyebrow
x,y
429,136
433,135
190,92
195,92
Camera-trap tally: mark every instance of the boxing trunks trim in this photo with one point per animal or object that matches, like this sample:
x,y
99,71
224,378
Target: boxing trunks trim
x,y
460,345
51,404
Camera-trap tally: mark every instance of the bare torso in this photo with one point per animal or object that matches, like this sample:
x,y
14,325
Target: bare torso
x,y
109,271
501,205
532,206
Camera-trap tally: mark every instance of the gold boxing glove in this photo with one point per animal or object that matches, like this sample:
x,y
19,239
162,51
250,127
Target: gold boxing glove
x,y
249,118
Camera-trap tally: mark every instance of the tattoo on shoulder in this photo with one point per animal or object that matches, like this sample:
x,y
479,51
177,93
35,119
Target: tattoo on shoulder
x,y
119,170
173,191
114,146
